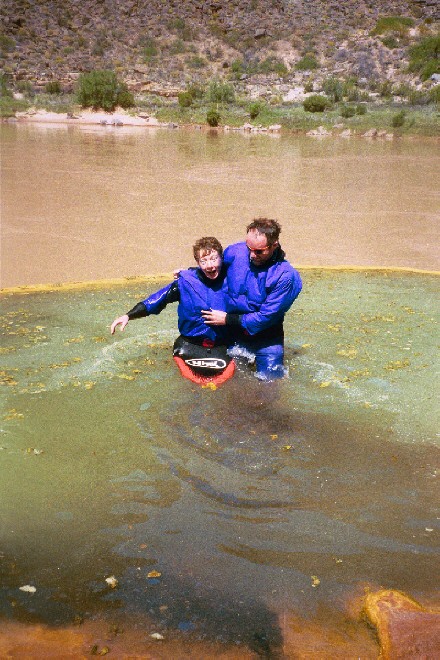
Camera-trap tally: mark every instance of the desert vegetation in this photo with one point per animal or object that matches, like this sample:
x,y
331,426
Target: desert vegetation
x,y
255,60
102,89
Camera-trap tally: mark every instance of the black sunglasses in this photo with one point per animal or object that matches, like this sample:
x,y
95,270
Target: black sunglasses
x,y
259,250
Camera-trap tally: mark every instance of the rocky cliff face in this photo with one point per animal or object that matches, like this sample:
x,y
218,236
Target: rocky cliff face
x,y
170,42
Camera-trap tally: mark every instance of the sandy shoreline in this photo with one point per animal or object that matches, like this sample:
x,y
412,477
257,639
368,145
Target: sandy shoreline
x,y
121,118
88,117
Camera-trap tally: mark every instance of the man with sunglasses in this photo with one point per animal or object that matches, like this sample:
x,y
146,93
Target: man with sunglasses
x,y
262,286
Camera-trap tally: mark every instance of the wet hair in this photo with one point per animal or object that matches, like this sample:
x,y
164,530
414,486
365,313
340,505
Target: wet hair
x,y
270,228
205,246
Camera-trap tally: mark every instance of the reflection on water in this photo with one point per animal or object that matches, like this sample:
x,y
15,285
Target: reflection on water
x,y
91,203
218,511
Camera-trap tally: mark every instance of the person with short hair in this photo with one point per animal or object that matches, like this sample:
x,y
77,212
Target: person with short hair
x,y
200,350
262,286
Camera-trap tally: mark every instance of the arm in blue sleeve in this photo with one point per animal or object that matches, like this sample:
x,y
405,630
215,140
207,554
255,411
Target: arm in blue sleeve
x,y
155,303
278,301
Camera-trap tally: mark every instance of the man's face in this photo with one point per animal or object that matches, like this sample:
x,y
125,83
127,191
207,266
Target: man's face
x,y
259,250
211,264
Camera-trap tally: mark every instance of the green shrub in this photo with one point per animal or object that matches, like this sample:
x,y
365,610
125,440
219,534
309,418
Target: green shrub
x,y
276,99
185,32
196,62
361,109
402,90
53,87
7,44
385,89
424,57
5,90
434,94
238,68
398,119
431,67
149,48
220,92
233,39
216,29
307,63
125,99
255,109
177,47
197,91
418,97
185,99
101,89
26,88
350,90
398,24
316,103
176,24
272,65
308,87
353,94
9,106
332,87
347,111
390,42
213,117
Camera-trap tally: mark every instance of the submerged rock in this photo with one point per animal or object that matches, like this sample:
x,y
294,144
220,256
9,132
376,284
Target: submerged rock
x,y
405,628
318,132
371,133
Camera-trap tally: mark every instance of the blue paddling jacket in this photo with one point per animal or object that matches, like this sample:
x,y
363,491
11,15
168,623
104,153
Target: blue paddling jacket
x,y
259,296
194,292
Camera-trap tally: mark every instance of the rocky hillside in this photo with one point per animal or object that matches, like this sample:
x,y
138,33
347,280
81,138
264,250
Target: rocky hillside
x,y
161,45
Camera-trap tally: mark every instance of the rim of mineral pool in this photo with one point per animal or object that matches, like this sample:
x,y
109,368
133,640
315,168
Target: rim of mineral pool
x,y
151,279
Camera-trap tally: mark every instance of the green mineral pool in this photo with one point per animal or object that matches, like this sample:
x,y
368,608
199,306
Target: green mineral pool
x,y
127,489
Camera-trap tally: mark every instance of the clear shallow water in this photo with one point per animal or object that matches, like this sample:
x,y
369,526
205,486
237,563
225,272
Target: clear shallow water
x,y
91,203
241,498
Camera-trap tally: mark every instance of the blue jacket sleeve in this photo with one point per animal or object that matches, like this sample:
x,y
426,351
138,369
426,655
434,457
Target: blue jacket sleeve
x,y
157,302
228,255
278,301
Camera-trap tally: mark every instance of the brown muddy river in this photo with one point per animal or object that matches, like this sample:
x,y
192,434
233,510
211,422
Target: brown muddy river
x,y
98,202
